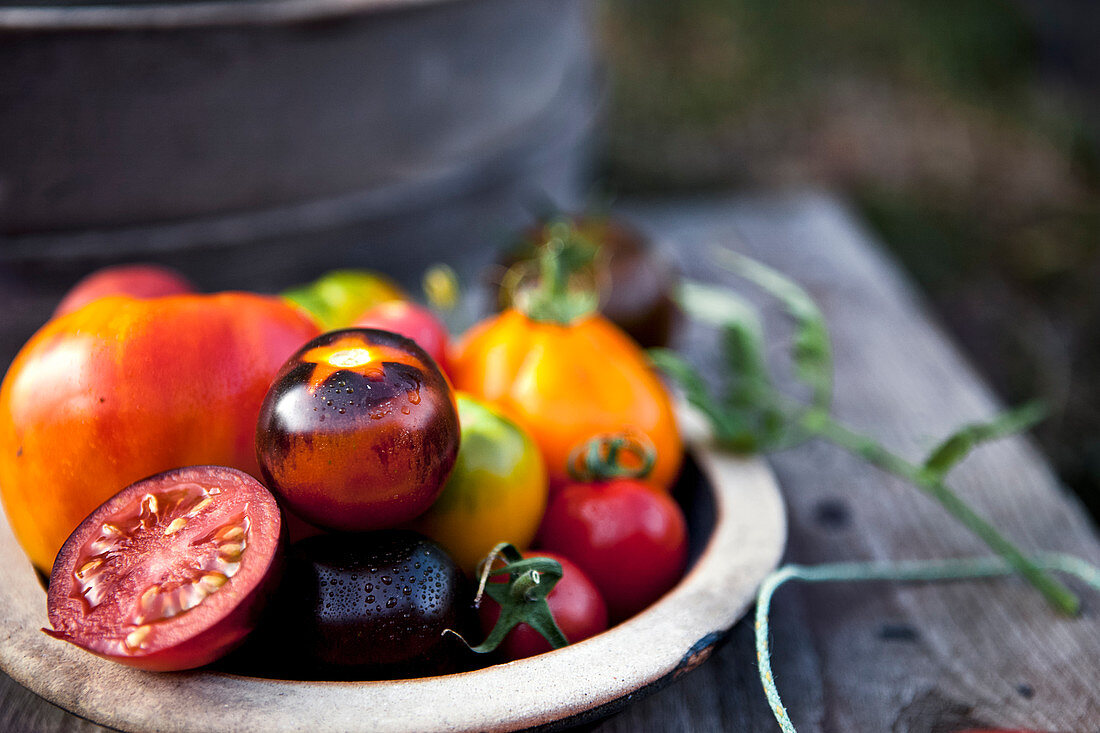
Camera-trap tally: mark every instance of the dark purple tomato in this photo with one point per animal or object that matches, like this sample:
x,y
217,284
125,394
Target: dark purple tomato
x,y
636,282
171,572
359,431
374,606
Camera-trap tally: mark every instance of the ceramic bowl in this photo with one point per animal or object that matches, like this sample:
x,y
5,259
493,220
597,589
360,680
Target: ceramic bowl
x,y
738,529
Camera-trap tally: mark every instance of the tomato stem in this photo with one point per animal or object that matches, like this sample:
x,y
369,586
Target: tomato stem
x,y
564,288
522,599
601,458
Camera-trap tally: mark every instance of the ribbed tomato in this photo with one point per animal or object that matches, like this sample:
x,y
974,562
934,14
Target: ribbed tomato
x,y
124,388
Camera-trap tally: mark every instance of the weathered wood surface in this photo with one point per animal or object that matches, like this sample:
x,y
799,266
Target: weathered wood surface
x,y
867,657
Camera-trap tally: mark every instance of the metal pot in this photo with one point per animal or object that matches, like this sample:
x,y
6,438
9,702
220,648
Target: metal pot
x,y
256,143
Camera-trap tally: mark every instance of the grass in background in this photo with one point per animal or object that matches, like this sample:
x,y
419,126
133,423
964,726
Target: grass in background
x,y
931,116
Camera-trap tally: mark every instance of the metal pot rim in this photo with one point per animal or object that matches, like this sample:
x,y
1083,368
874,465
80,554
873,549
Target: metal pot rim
x,y
163,15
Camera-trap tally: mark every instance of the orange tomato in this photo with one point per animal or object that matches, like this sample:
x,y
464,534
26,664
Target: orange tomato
x,y
566,383
125,388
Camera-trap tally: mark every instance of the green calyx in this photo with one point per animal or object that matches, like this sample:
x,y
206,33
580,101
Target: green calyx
x,y
559,284
522,599
604,458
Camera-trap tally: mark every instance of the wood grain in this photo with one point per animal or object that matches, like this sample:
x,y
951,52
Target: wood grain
x,y
912,659
868,657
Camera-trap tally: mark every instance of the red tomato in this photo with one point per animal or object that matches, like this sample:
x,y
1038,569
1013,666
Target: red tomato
x,y
630,540
122,389
359,431
411,321
137,281
171,572
575,602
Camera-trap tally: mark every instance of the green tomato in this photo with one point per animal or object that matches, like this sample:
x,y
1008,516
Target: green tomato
x,y
497,491
339,297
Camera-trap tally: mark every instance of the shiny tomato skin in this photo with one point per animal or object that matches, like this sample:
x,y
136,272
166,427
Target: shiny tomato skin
x,y
371,605
124,388
630,540
172,572
412,321
135,280
567,383
359,431
576,604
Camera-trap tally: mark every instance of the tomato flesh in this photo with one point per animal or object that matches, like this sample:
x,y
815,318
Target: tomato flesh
x,y
170,572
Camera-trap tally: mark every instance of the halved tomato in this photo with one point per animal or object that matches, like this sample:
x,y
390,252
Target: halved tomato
x,y
171,572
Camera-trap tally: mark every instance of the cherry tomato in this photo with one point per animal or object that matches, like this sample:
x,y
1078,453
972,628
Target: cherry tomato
x,y
630,540
358,431
171,572
497,491
575,602
373,605
337,298
137,280
413,322
124,388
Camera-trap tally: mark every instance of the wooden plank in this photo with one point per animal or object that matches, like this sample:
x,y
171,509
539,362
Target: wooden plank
x,y
888,658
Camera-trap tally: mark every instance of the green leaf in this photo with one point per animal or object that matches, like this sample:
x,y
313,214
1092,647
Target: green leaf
x,y
811,350
958,445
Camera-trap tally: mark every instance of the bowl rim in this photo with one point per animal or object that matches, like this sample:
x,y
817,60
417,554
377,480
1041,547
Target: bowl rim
x,y
202,13
583,680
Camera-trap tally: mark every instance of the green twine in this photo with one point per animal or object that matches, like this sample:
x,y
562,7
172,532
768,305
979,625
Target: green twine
x,y
910,571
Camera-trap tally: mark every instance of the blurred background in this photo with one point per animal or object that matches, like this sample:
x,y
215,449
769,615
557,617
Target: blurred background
x,y
963,132
254,147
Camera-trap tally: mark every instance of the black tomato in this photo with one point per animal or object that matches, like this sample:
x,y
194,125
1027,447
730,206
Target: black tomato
x,y
373,606
636,282
359,431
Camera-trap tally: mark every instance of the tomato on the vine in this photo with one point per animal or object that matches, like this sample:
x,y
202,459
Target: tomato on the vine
x,y
630,540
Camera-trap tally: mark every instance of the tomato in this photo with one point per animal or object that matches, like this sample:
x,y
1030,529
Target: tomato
x,y
171,572
358,431
567,382
372,605
413,322
337,298
137,280
630,540
124,388
496,493
636,283
575,602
